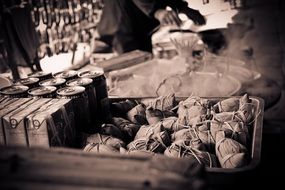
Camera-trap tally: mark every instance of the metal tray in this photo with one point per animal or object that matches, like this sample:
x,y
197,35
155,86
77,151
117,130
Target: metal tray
x,y
223,176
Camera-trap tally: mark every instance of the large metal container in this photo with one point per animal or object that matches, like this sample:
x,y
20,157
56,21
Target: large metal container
x,y
30,82
100,84
43,92
41,75
80,105
15,91
67,75
56,82
91,93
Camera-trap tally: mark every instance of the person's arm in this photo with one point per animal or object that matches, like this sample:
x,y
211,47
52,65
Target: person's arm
x,y
181,6
194,15
156,8
167,17
176,5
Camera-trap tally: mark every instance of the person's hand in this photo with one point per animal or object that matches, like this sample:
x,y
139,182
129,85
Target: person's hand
x,y
194,15
166,17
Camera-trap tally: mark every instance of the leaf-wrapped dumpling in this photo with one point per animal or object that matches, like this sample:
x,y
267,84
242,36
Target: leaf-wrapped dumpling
x,y
231,154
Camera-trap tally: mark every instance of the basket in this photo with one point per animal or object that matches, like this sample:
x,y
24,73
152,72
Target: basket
x,y
222,176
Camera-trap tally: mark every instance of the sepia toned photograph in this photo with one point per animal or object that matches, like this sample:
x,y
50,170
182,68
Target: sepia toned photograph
x,y
142,94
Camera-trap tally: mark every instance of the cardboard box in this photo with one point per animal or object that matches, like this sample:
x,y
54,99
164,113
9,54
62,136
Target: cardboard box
x,y
10,105
52,125
14,122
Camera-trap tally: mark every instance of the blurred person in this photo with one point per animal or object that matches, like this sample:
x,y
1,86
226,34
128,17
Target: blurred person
x,y
127,25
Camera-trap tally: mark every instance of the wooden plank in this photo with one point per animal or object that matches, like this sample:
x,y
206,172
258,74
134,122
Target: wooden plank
x,y
38,165
125,60
24,185
77,159
41,173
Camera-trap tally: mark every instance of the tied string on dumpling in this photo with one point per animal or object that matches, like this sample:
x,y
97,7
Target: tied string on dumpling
x,y
137,102
128,128
149,132
184,134
163,100
156,113
197,101
209,114
160,140
210,138
208,118
137,110
95,144
227,149
233,129
181,102
137,114
91,146
184,115
185,150
228,156
193,134
239,116
139,144
255,118
233,116
220,106
219,127
225,105
185,102
244,112
187,113
172,125
101,139
142,144
178,125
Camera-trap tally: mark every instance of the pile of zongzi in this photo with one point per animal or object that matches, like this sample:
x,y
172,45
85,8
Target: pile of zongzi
x,y
213,131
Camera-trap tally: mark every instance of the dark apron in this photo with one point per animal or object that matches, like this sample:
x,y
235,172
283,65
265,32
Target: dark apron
x,y
125,26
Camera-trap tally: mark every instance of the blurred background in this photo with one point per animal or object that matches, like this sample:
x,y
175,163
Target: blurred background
x,y
53,36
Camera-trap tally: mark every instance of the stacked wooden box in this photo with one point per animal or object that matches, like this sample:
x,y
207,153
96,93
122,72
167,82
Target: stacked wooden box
x,y
33,122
